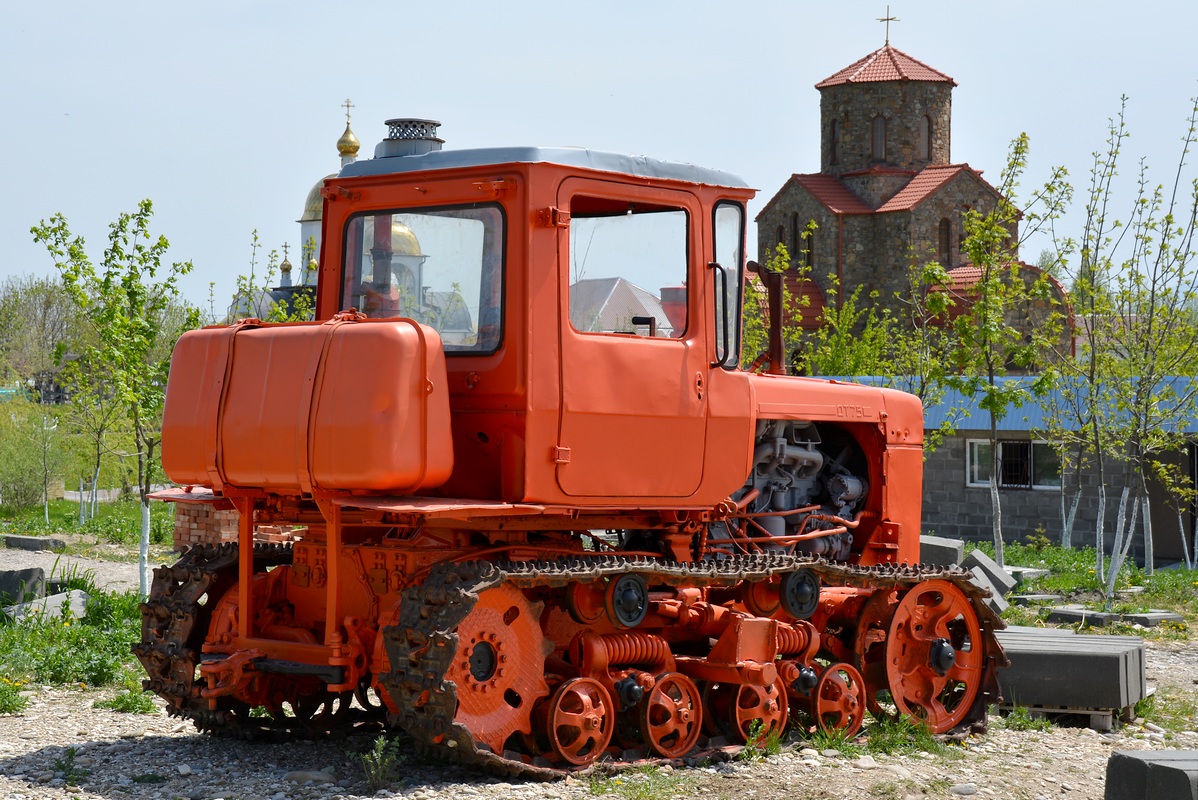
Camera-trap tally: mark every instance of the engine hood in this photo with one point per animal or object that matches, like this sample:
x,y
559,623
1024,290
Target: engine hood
x,y
898,413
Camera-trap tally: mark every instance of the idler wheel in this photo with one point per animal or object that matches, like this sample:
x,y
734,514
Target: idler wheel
x,y
671,715
927,681
499,666
838,702
580,721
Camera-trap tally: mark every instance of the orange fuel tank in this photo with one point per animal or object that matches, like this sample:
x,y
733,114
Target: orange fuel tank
x,y
345,404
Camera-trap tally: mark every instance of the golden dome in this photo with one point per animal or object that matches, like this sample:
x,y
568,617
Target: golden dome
x,y
314,205
285,266
403,241
348,144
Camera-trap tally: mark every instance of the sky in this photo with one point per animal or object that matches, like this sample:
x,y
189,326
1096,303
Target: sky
x,y
225,114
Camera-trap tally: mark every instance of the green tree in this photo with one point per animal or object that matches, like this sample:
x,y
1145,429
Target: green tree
x,y
137,317
996,331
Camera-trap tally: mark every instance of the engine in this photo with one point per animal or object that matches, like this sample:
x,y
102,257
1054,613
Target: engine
x,y
795,470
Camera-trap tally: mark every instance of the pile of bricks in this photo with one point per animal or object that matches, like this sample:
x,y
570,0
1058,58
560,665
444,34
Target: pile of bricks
x,y
200,523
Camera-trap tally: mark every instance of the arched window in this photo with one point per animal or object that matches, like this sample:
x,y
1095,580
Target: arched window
x,y
943,251
809,258
834,143
781,238
879,148
796,237
924,148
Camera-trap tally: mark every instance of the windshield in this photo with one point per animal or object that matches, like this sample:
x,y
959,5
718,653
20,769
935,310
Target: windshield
x,y
439,266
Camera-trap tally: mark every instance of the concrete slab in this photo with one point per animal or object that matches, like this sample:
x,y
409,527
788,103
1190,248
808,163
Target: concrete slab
x,y
1054,669
1152,617
1075,615
1034,599
51,606
998,577
35,543
1152,775
941,552
1025,574
19,585
996,601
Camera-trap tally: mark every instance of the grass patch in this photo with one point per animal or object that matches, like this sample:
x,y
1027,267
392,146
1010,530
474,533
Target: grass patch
x,y
645,783
1019,718
902,735
835,739
118,522
130,702
380,764
1171,708
67,769
11,701
93,650
761,744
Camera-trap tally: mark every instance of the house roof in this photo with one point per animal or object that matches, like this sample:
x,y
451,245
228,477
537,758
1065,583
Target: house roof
x,y
609,304
885,64
830,191
926,183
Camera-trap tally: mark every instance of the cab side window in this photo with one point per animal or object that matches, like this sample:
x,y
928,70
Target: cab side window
x,y
627,268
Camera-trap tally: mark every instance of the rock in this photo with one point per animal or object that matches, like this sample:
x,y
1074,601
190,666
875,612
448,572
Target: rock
x,y
183,769
35,543
865,762
963,789
830,753
898,771
306,775
52,605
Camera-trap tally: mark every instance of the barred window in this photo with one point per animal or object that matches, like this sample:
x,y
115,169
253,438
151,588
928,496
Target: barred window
x,y
1021,464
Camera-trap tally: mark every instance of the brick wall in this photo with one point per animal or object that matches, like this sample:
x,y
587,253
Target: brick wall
x,y
198,523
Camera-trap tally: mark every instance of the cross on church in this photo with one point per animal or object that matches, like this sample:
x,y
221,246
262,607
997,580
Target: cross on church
x,y
285,246
348,105
888,19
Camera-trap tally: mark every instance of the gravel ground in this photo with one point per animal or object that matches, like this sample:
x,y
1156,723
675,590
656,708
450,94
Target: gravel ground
x,y
161,758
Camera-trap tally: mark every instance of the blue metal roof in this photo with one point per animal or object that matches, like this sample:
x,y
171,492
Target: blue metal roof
x,y
1035,414
642,166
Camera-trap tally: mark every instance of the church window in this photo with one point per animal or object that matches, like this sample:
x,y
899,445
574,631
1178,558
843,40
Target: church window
x,y
834,142
796,235
943,252
925,138
809,255
781,238
879,138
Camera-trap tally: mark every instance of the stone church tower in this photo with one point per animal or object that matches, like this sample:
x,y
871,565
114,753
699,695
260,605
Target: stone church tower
x,y
887,194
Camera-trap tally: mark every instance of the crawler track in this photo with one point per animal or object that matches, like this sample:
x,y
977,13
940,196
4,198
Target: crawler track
x,y
422,644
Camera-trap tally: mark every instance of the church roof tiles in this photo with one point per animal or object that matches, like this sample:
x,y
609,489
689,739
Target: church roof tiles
x,y
885,64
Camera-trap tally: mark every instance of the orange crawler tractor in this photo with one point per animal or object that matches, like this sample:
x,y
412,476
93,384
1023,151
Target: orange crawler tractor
x,y
542,517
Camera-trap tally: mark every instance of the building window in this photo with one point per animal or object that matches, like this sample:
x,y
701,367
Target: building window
x,y
809,255
796,234
781,238
834,143
879,139
944,248
925,139
1021,464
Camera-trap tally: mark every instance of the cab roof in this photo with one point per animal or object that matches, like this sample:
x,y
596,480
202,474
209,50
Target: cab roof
x,y
640,166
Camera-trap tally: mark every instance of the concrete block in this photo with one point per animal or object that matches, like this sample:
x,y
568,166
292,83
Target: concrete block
x,y
35,543
941,552
1075,615
1152,618
996,601
1035,599
19,585
1054,669
1152,775
51,606
1025,574
998,577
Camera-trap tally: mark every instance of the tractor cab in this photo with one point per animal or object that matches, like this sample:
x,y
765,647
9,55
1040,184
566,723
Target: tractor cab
x,y
585,301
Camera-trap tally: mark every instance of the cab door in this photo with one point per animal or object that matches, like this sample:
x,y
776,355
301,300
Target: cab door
x,y
633,360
